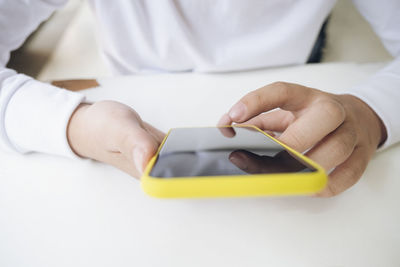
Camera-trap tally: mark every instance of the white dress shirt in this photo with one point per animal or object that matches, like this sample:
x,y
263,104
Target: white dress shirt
x,y
142,36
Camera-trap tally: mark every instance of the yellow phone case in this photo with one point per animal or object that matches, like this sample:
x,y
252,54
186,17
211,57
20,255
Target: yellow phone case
x,y
299,183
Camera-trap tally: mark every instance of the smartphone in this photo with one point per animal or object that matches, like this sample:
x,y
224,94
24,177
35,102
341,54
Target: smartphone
x,y
228,161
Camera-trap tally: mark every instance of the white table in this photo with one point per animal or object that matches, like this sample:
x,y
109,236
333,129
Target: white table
x,y
61,212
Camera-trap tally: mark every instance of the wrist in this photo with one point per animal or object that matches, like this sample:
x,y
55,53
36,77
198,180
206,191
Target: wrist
x,y
376,125
75,129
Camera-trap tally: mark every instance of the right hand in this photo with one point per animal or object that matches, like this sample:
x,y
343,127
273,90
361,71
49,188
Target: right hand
x,y
113,133
340,132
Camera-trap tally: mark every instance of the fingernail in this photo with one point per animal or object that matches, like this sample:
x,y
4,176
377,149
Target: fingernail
x,y
237,111
138,158
225,120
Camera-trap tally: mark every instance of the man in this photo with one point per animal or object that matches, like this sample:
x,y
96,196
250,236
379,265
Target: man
x,y
341,132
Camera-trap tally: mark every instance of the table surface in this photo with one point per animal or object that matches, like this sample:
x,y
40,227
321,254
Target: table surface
x,y
61,212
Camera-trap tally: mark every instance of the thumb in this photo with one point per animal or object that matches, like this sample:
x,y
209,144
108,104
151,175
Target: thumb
x,y
139,147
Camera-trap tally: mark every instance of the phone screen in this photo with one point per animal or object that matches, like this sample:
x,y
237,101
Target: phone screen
x,y
223,151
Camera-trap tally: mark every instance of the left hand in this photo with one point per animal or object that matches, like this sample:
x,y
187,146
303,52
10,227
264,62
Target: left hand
x,y
340,132
113,133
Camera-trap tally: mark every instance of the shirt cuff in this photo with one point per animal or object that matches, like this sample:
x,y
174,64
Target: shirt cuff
x,y
37,117
382,93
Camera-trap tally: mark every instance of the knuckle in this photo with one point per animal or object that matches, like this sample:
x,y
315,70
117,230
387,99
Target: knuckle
x,y
342,147
354,173
253,98
334,110
125,113
283,88
258,99
349,173
352,137
279,84
341,150
288,119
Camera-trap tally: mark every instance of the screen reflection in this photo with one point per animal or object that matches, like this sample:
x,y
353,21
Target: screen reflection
x,y
191,152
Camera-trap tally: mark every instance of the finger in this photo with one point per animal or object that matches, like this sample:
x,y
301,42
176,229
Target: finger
x,y
118,160
287,96
226,131
277,120
346,174
225,120
313,125
158,135
335,148
138,146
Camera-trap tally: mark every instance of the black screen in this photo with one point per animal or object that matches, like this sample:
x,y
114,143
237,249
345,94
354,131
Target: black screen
x,y
217,151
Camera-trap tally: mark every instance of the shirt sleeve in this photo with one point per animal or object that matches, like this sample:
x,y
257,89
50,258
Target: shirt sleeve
x,y
33,115
382,91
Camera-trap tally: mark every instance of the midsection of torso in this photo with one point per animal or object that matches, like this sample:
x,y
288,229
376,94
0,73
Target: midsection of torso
x,y
207,35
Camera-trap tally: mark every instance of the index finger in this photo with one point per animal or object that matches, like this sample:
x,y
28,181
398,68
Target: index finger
x,y
282,95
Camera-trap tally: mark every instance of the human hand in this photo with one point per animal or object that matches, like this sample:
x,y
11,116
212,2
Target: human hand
x,y
113,133
340,132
